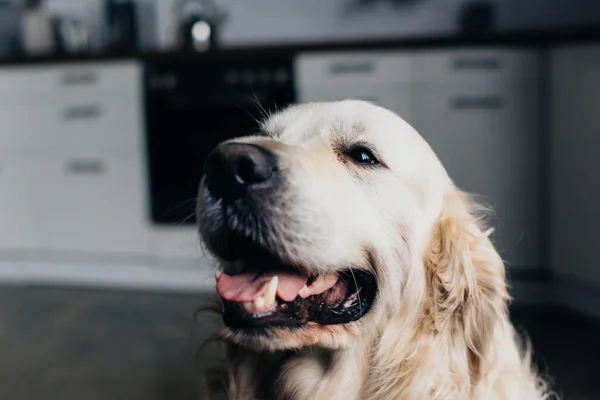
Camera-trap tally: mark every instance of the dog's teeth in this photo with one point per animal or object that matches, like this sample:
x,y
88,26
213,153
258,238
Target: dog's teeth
x,y
303,291
218,274
271,293
320,279
248,306
259,303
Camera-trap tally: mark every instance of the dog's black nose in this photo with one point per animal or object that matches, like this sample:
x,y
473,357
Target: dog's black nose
x,y
232,168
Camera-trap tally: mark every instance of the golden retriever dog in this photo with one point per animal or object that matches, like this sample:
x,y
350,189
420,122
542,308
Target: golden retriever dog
x,y
352,267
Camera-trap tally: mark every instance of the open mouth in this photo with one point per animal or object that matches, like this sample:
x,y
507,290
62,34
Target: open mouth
x,y
268,293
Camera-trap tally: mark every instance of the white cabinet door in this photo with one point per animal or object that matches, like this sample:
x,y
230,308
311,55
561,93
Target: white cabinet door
x,y
488,141
347,68
42,83
395,97
72,168
108,125
380,77
575,162
95,205
178,245
483,67
22,206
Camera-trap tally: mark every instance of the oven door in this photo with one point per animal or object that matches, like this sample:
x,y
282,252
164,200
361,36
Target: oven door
x,y
187,115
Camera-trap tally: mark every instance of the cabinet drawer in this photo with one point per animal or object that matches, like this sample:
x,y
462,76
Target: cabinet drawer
x,y
350,68
489,144
94,205
476,65
33,82
67,127
396,98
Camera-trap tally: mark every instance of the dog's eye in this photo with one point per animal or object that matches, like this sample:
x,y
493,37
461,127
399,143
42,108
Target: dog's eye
x,y
362,155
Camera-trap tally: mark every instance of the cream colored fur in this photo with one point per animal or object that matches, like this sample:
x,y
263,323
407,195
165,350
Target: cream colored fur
x,y
439,328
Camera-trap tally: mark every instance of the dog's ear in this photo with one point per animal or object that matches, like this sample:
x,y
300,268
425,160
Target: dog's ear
x,y
466,277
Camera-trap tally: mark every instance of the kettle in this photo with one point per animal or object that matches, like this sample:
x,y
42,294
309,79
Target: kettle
x,y
198,23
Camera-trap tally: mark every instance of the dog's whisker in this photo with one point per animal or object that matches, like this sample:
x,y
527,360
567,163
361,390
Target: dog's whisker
x,y
264,113
186,219
183,203
256,120
357,291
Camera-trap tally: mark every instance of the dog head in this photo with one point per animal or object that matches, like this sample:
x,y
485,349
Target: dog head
x,y
336,219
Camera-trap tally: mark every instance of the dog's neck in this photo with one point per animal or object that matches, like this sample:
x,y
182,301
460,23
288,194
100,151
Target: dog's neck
x,y
353,372
431,362
299,375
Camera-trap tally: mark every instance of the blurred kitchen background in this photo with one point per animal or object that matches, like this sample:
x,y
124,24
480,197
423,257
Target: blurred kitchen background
x,y
108,108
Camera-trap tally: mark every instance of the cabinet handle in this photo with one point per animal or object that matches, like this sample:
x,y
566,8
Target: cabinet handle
x,y
79,78
88,167
82,112
340,68
468,63
476,103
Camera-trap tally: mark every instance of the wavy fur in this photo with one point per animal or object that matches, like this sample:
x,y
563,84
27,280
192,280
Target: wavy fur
x,y
439,331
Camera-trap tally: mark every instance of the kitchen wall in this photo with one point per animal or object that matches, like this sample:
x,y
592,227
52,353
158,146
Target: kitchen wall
x,y
260,21
514,15
575,171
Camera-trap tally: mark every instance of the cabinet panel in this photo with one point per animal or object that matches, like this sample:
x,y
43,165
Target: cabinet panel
x,y
575,165
22,206
95,205
489,143
353,67
177,243
481,66
95,124
42,83
394,97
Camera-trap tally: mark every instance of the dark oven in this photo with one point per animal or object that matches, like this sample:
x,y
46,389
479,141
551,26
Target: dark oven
x,y
192,105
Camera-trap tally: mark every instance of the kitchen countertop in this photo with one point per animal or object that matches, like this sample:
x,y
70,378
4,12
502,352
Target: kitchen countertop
x,y
525,39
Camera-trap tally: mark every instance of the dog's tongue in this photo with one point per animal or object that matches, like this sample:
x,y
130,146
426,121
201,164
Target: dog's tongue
x,y
247,287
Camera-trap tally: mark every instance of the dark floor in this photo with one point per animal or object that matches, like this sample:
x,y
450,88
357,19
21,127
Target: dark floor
x,y
92,345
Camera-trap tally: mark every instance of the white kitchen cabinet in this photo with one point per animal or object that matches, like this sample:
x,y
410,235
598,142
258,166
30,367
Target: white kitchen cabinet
x,y
343,68
94,205
46,83
488,142
73,145
477,107
94,124
380,77
178,244
74,205
397,99
22,206
575,162
486,132
483,67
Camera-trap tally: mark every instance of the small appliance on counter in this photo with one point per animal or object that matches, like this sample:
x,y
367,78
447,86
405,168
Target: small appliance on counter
x,y
198,23
37,30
